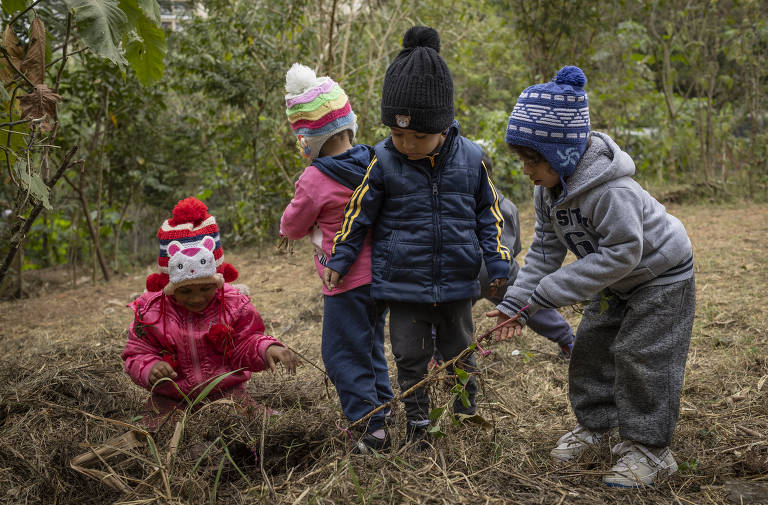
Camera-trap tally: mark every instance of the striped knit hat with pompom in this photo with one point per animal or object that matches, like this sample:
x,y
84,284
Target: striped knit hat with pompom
x,y
191,227
553,120
317,109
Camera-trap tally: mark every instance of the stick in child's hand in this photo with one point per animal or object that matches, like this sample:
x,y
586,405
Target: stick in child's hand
x,y
501,324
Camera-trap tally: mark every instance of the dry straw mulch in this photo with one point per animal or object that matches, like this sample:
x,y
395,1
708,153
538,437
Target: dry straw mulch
x,y
63,393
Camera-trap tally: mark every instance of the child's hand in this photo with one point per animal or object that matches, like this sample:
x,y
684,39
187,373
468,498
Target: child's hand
x,y
513,329
278,353
496,285
330,278
159,370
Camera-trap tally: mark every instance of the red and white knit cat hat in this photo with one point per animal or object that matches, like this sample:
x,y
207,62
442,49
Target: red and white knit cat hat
x,y
190,250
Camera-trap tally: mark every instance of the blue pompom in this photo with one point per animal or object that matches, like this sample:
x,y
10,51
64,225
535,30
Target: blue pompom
x,y
571,75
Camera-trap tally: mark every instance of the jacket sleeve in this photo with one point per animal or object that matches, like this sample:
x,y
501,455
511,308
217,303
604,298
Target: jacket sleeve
x,y
618,220
359,215
544,256
490,225
302,212
142,351
250,343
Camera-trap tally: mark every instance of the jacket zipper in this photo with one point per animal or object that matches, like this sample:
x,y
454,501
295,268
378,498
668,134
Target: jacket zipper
x,y
435,179
193,348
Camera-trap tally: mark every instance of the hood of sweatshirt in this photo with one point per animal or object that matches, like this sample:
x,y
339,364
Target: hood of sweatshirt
x,y
347,168
603,161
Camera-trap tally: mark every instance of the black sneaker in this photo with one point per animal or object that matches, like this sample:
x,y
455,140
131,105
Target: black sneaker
x,y
417,437
369,444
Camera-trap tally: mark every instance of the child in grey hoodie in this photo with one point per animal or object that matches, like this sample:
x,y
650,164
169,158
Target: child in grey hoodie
x,y
634,265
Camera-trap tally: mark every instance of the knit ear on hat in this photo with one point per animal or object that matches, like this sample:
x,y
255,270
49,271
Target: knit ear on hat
x,y
173,248
229,272
156,282
208,243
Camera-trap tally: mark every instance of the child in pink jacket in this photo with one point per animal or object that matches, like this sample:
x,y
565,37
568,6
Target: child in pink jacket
x,y
352,343
190,326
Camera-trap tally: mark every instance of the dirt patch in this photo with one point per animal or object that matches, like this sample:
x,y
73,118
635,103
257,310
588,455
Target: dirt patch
x,y
63,391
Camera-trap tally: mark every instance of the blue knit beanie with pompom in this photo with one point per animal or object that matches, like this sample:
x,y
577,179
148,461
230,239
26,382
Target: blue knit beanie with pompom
x,y
553,120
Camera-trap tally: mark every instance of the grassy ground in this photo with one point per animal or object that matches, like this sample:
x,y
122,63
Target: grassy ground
x,y
63,392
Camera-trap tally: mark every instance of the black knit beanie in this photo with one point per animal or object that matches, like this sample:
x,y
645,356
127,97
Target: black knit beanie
x,y
418,87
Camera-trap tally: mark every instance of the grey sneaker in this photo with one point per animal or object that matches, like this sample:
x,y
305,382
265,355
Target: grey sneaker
x,y
639,465
574,443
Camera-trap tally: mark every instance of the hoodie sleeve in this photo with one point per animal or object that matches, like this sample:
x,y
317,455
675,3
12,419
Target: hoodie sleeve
x,y
250,342
302,212
359,215
618,221
544,256
490,226
142,350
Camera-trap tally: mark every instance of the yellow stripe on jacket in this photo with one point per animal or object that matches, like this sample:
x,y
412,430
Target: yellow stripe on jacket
x,y
496,211
353,208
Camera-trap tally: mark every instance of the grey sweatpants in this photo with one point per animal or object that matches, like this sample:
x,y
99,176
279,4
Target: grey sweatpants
x,y
627,364
410,327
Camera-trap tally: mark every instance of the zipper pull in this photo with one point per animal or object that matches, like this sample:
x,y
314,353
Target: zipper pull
x,y
434,188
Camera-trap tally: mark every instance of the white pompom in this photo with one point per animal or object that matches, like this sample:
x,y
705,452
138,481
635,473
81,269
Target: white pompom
x,y
299,79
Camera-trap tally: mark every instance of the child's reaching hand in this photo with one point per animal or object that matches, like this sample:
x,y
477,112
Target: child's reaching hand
x,y
278,353
513,329
496,285
159,370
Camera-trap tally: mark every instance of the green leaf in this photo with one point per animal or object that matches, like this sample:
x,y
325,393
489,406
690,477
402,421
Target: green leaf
x,y
464,397
34,184
151,9
215,382
101,24
436,413
462,375
145,51
11,6
4,96
436,432
476,419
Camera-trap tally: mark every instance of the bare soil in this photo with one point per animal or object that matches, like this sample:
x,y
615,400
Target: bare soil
x,y
63,392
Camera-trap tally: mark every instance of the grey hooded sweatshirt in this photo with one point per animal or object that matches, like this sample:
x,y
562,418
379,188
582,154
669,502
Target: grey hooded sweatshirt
x,y
623,238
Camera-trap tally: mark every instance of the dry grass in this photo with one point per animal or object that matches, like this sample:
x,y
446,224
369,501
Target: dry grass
x,y
63,393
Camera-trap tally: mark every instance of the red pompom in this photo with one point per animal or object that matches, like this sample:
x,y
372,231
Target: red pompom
x,y
156,282
228,271
189,210
219,335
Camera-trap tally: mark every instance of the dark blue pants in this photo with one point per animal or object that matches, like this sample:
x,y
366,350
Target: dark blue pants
x,y
353,353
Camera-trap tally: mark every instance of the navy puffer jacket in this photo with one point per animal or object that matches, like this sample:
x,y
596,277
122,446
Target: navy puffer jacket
x,y
433,222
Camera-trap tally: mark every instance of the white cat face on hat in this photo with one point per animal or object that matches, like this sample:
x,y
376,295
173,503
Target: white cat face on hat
x,y
191,262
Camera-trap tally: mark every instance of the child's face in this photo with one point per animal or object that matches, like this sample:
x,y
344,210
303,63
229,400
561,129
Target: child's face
x,y
416,145
195,297
540,172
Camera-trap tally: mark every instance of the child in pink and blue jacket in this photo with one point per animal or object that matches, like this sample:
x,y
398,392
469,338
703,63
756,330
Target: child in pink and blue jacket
x,y
191,326
352,345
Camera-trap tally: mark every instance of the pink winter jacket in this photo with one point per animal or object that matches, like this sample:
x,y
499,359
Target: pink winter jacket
x,y
164,330
319,199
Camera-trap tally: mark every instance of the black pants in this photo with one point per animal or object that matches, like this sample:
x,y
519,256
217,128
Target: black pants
x,y
410,331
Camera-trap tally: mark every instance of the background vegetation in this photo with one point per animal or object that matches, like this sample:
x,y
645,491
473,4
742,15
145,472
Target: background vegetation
x,y
158,115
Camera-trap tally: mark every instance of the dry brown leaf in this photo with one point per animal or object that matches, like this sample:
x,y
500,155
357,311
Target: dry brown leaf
x,y
41,101
34,61
15,52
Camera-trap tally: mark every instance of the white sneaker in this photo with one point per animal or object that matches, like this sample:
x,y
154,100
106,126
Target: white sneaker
x,y
574,443
639,465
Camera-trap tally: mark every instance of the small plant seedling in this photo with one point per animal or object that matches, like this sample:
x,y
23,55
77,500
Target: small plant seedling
x,y
690,466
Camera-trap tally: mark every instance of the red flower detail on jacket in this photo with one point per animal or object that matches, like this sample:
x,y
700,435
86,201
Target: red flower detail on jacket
x,y
170,358
220,336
